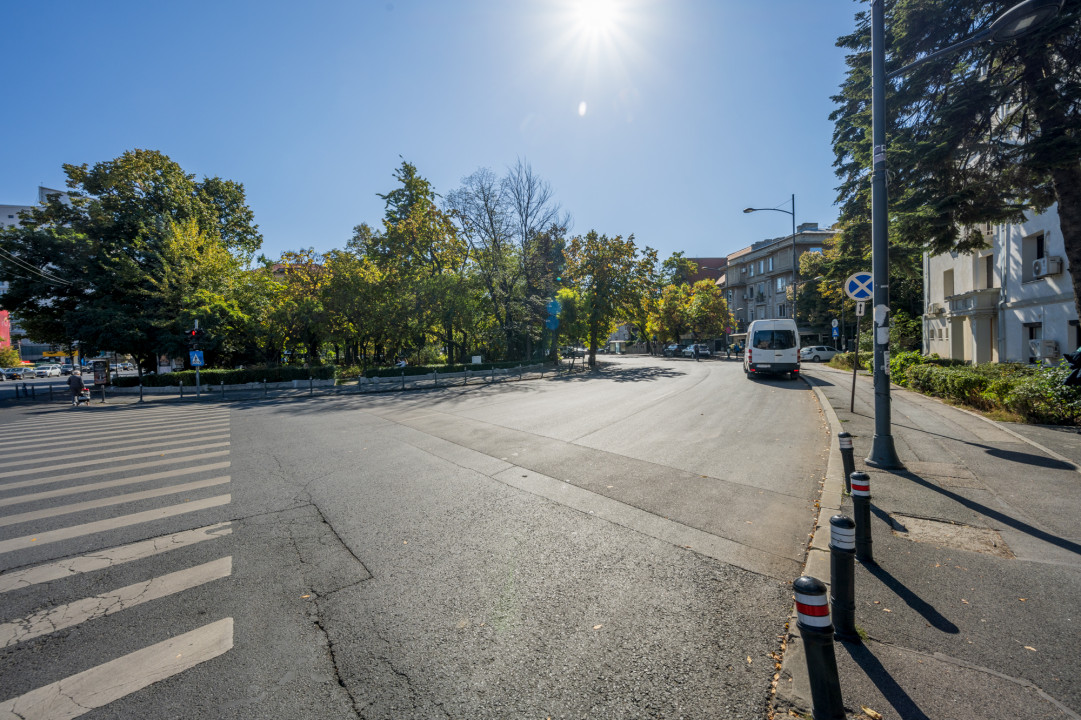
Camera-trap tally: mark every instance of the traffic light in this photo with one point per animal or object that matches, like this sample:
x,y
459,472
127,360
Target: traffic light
x,y
1074,378
195,337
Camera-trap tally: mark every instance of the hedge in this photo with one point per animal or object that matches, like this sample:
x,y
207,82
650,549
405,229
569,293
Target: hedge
x,y
1035,393
426,369
214,376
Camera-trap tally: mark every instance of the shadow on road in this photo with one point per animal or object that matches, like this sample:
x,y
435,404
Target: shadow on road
x,y
905,706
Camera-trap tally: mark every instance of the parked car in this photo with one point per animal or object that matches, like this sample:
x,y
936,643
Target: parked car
x,y
673,350
47,371
703,351
14,373
817,353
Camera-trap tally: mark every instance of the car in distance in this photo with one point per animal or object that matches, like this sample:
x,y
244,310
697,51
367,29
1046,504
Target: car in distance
x,y
47,371
703,351
772,348
13,373
817,353
673,350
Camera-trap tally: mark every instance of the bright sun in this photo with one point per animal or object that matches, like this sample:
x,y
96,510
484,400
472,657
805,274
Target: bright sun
x,y
595,17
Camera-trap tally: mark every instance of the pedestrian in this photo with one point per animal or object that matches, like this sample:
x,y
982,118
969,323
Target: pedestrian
x,y
727,352
696,352
76,386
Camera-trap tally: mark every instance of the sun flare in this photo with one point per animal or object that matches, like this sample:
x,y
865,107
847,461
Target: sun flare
x,y
596,17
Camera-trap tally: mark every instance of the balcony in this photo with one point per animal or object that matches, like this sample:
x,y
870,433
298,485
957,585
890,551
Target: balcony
x,y
975,302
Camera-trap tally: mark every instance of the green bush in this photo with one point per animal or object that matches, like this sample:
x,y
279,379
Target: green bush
x,y
409,370
844,360
1039,396
214,376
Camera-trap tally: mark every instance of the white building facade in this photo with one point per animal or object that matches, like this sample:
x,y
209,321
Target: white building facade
x,y
1011,302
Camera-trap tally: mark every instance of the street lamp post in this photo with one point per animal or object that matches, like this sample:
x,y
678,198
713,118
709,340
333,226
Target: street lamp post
x,y
795,268
1019,20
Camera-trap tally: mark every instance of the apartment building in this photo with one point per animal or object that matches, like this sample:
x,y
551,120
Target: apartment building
x,y
758,277
1010,302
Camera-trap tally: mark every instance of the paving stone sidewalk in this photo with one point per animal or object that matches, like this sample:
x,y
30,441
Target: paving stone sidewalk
x,y
972,608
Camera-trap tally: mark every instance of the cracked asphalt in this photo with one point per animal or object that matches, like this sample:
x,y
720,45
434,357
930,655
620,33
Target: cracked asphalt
x,y
618,544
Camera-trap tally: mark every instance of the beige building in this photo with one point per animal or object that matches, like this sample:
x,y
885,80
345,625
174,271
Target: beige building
x,y
758,277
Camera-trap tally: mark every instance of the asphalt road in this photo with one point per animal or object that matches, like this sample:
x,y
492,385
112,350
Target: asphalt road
x,y
612,544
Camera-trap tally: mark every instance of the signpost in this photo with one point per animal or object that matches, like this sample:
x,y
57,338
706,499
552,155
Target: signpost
x,y
860,287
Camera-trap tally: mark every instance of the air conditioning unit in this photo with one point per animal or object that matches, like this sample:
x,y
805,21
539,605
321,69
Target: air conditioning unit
x,y
1042,267
935,309
1043,349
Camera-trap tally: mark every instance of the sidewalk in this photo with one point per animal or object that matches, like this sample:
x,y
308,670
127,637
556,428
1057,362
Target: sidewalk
x,y
972,608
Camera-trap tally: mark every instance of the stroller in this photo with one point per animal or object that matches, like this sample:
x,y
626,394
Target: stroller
x,y
83,398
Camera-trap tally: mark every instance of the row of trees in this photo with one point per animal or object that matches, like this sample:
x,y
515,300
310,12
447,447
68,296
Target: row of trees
x,y
140,250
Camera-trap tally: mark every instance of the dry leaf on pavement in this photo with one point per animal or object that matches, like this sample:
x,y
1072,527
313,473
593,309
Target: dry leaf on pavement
x,y
870,713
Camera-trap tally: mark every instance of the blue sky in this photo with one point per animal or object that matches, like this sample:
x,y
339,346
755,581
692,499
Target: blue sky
x,y
693,109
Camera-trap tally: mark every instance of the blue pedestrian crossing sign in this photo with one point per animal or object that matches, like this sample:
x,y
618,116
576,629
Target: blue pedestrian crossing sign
x,y
836,332
859,286
196,358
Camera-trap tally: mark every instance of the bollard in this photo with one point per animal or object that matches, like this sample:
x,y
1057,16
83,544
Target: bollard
x,y
861,508
845,441
50,393
103,393
264,387
140,391
309,386
843,577
181,389
813,622
403,379
465,377
222,383
33,392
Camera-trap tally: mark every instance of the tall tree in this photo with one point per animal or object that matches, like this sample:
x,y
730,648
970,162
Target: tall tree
x,y
978,137
608,273
114,242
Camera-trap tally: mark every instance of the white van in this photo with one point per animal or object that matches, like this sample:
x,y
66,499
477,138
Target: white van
x,y
772,348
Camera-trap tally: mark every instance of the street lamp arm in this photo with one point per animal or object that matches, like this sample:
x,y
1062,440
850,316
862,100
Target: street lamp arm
x,y
786,212
956,47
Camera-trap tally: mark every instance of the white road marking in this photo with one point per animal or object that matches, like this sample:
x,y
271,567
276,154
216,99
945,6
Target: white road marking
x,y
54,445
70,422
51,468
51,536
98,472
59,617
48,572
74,490
91,450
109,501
101,685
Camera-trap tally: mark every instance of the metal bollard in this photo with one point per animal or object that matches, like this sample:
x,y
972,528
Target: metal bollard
x,y
845,441
843,577
861,508
50,393
222,383
181,389
813,622
33,391
403,379
140,392
309,386
264,387
103,393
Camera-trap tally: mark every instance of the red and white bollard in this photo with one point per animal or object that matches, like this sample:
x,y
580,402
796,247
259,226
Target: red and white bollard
x,y
813,623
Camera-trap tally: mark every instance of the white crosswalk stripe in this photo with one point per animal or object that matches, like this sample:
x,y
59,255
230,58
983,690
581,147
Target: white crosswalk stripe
x,y
191,445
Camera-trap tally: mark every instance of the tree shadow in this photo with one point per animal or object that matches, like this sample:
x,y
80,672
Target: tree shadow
x,y
905,706
1016,456
936,619
991,512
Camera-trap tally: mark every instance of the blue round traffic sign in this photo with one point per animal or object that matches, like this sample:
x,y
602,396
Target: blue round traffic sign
x,y
859,286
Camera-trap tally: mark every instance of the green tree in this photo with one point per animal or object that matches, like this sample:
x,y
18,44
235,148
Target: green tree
x,y
113,247
707,310
9,356
607,272
978,137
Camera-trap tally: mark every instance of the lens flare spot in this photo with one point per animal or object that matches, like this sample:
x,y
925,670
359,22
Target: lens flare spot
x,y
582,109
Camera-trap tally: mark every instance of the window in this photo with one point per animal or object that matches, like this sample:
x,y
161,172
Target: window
x,y
761,266
781,310
1032,249
1076,327
774,339
780,284
947,283
1033,333
770,263
752,269
989,271
762,288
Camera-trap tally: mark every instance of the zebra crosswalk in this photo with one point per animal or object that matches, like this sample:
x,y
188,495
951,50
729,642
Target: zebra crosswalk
x,y
93,510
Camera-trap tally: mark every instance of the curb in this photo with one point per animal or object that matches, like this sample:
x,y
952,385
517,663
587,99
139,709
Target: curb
x,y
796,690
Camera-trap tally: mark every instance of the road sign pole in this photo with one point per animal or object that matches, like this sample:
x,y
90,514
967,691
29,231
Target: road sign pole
x,y
855,367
